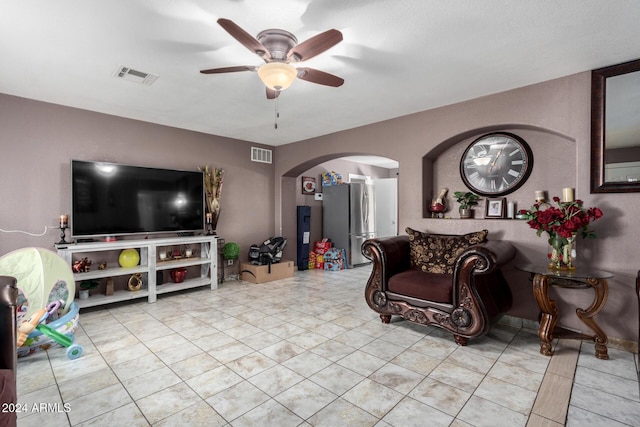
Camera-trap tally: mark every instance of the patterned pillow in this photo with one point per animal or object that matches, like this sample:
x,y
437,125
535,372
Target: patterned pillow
x,y
437,253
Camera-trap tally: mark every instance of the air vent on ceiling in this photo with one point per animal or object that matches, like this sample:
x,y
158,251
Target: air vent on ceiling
x,y
136,76
261,155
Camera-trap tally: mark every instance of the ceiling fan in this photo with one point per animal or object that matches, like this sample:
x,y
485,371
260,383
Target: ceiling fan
x,y
280,48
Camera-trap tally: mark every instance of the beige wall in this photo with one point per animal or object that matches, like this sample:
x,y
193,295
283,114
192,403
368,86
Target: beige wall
x,y
554,117
38,140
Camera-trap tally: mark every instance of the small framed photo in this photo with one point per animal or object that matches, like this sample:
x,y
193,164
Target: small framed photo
x,y
495,208
308,185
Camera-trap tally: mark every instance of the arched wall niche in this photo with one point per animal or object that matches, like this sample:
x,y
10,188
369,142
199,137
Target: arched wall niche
x,y
555,155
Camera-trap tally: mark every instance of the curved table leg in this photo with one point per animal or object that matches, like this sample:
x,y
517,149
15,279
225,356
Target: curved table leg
x,y
601,288
548,312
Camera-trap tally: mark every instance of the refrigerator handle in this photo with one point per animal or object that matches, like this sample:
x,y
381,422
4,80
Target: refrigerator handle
x,y
365,208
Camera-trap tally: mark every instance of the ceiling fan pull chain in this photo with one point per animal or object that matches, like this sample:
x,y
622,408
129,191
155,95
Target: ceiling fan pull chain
x,y
277,112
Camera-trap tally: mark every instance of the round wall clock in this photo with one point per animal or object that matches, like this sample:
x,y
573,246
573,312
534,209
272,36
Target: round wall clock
x,y
496,164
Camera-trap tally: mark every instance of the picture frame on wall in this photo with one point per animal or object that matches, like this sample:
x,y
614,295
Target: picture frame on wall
x,y
495,208
308,185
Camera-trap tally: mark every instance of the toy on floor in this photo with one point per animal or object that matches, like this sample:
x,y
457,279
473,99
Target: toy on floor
x,y
44,280
36,321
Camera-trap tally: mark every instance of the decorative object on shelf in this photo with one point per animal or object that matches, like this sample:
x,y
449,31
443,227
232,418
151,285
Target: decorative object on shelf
x,y
511,210
496,164
110,287
567,195
64,224
188,251
467,201
129,258
135,282
213,179
178,274
230,250
162,255
308,185
495,208
209,220
85,287
176,253
562,223
438,205
102,266
82,265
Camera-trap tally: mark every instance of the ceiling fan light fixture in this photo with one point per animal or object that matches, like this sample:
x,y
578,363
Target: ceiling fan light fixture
x,y
277,75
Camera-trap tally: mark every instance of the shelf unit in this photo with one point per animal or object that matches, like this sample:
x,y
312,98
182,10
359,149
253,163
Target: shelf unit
x,y
150,264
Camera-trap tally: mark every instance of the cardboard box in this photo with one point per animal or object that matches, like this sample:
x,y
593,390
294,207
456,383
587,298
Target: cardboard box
x,y
260,273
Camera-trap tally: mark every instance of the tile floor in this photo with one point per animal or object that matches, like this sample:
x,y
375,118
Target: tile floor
x,y
308,351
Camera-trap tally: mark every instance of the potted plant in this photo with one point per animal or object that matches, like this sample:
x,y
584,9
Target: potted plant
x,y
85,286
467,201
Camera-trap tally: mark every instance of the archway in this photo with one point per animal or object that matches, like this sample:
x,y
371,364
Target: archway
x,y
291,184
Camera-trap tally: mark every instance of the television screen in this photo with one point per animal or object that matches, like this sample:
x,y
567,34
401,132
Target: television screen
x,y
110,199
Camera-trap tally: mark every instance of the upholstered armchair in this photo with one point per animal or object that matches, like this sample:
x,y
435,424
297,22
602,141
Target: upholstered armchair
x,y
452,282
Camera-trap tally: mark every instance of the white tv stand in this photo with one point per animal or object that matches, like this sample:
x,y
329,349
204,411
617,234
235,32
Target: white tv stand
x,y
206,257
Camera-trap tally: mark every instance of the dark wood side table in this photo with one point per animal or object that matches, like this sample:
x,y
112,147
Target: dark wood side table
x,y
581,278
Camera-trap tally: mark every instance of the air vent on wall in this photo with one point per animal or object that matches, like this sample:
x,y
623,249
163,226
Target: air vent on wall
x,y
136,76
261,155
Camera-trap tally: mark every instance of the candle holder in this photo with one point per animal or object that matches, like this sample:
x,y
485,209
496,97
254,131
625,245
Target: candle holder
x,y
64,224
210,230
63,234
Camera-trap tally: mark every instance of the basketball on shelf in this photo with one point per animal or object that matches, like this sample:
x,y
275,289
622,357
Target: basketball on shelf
x,y
129,258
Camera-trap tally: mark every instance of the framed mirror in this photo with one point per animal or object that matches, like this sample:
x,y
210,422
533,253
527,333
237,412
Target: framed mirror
x,y
615,128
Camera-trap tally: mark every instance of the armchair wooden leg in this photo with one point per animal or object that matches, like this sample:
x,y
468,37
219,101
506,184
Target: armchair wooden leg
x,y
460,340
386,318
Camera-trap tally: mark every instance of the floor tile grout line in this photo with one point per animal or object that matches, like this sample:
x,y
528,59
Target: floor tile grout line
x,y
308,293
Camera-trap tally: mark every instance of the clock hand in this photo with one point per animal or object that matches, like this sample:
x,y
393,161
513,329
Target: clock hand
x,y
495,159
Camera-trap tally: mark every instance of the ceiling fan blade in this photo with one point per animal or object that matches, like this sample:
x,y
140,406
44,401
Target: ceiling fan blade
x,y
319,77
229,69
315,45
272,94
246,39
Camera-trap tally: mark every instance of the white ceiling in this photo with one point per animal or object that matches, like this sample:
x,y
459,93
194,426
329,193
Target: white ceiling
x,y
397,57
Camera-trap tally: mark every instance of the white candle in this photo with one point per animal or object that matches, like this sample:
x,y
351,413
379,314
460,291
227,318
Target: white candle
x,y
511,207
64,221
539,196
567,195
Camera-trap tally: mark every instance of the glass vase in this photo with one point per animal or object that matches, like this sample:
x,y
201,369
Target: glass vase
x,y
562,252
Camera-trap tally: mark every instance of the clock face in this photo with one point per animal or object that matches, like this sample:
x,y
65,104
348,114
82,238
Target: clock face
x,y
496,164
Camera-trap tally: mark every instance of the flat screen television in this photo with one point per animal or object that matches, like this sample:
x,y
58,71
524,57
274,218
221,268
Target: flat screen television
x,y
110,199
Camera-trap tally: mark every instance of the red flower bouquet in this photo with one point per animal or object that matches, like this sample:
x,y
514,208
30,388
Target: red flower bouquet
x,y
562,223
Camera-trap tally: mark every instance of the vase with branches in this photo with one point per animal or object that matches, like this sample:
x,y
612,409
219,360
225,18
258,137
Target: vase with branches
x,y
213,179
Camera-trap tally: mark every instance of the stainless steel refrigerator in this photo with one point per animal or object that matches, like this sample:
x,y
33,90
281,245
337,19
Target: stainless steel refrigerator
x,y
348,218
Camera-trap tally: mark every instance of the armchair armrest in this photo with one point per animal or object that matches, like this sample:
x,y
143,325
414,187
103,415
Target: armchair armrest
x,y
480,291
8,355
487,256
390,255
8,326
